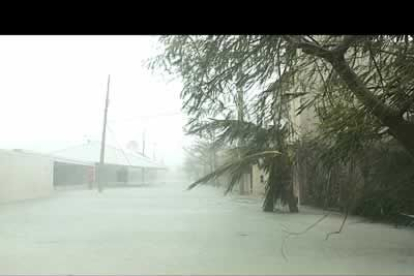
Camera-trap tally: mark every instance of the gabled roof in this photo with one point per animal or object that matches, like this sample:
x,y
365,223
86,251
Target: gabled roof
x,y
90,153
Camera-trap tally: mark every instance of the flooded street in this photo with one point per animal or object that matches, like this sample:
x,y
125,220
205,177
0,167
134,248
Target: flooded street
x,y
166,230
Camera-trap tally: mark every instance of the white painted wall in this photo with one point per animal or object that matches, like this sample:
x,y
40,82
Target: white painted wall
x,y
306,122
258,186
24,176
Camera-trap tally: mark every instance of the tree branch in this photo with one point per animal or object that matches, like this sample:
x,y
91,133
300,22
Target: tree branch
x,y
341,49
336,58
372,102
308,47
289,234
407,105
340,228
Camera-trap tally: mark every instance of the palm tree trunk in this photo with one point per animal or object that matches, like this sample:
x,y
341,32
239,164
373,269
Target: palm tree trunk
x,y
293,202
240,117
269,201
268,204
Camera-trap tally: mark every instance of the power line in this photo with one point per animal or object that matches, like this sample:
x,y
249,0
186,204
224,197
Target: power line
x,y
147,117
119,146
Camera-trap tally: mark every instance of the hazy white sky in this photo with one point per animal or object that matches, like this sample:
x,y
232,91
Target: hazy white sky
x,y
52,91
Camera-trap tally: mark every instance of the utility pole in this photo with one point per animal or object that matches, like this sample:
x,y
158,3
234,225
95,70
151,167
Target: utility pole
x,y
143,142
102,157
240,118
143,153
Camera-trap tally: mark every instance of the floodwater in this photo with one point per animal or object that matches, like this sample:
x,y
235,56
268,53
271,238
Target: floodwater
x,y
164,229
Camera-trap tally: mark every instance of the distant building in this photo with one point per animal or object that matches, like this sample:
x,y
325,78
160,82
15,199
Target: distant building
x,y
79,165
25,174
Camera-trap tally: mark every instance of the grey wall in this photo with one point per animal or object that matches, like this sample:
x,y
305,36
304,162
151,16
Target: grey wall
x,y
70,174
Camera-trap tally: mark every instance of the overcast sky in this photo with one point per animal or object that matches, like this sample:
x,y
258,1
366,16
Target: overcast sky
x,y
53,89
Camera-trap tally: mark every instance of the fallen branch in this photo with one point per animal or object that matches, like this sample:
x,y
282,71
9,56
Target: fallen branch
x,y
289,234
309,227
340,228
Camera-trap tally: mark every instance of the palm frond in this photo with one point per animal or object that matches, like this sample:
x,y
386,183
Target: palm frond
x,y
236,168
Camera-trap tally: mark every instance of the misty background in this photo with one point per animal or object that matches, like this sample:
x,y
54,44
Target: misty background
x,y
53,90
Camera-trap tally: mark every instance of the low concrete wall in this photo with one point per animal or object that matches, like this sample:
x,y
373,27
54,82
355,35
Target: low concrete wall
x,y
24,176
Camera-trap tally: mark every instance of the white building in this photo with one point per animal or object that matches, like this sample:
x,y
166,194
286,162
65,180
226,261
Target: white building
x,y
24,175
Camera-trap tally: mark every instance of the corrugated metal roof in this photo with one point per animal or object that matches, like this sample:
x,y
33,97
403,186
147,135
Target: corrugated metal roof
x,y
90,153
45,155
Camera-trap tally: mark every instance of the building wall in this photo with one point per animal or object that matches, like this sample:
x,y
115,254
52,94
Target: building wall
x,y
147,175
305,124
122,174
70,174
258,185
24,176
244,185
109,173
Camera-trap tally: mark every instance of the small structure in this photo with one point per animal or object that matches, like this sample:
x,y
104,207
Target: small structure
x,y
72,172
78,165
